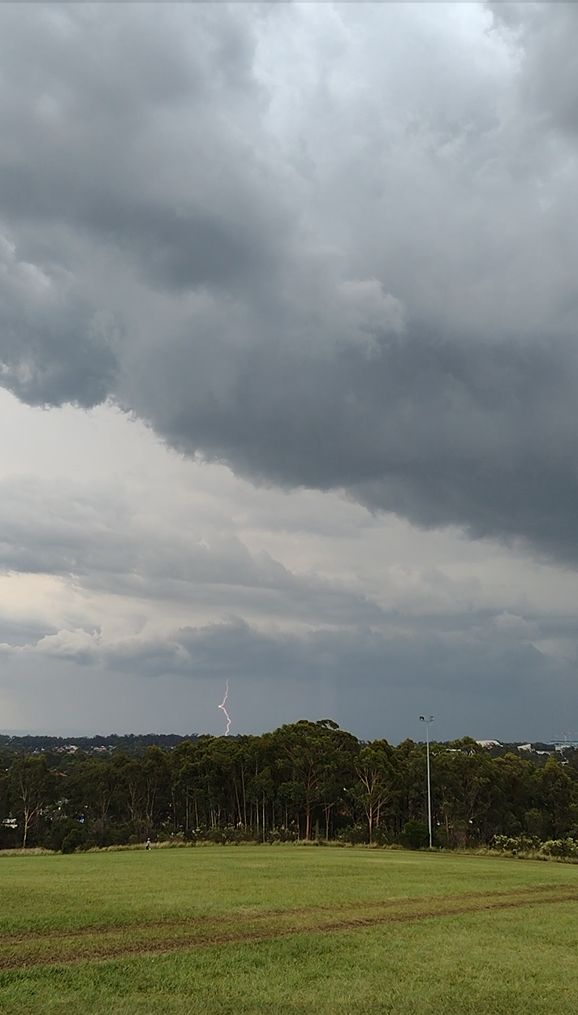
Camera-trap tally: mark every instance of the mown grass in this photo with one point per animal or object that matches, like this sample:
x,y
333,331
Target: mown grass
x,y
263,929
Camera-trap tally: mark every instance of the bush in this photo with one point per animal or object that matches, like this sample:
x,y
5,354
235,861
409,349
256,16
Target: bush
x,y
279,835
415,835
355,835
63,830
72,841
564,848
515,843
380,837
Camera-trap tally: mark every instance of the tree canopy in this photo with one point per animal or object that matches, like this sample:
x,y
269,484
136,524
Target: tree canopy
x,y
307,780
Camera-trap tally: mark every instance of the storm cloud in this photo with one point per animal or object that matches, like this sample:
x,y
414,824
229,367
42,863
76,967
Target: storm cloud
x,y
303,243
288,309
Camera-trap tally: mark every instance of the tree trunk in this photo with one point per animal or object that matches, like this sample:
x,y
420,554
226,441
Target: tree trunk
x,y
26,826
244,796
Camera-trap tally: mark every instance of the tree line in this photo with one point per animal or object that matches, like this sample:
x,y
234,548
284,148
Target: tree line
x,y
129,743
307,780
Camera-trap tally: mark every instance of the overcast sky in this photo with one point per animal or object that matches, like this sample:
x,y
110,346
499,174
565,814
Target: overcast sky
x,y
289,367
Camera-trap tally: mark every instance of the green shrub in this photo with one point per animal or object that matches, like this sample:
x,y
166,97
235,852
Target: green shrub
x,y
516,843
355,835
415,835
565,848
74,840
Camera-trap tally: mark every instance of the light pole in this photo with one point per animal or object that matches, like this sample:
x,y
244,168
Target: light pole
x,y
428,719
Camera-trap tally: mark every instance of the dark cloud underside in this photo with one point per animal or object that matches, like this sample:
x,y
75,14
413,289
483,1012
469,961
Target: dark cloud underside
x,y
349,273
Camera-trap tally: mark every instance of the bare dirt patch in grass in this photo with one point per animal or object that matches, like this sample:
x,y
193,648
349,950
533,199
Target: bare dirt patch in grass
x,y
88,944
199,919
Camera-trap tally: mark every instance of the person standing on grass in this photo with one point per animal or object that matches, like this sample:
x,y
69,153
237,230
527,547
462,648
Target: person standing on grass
x,y
148,844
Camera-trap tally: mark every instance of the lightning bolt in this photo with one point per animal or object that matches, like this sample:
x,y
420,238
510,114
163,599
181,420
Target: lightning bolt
x,y
223,708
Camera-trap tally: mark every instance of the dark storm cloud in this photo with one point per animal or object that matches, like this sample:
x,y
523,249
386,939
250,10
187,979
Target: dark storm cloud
x,y
54,347
360,277
370,682
144,152
424,427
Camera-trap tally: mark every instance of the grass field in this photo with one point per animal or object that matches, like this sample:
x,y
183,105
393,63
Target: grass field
x,y
287,930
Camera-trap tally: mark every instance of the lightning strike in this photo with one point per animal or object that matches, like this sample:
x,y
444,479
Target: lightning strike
x,y
223,708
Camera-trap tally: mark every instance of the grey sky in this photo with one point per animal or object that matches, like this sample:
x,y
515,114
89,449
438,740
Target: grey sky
x,y
288,337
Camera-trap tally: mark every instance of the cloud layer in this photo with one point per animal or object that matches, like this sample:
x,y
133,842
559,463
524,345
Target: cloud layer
x,y
331,247
349,270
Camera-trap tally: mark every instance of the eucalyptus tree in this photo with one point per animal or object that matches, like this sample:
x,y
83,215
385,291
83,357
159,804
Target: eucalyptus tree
x,y
376,773
31,789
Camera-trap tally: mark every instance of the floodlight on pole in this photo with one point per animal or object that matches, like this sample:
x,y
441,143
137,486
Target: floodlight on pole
x,y
428,719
